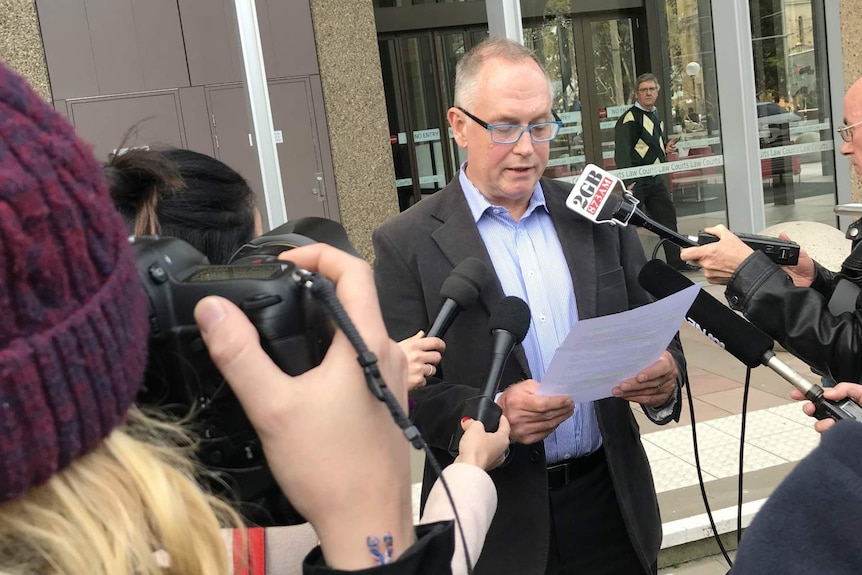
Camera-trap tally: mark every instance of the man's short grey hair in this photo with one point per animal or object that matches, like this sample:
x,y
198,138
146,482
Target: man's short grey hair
x,y
646,77
468,68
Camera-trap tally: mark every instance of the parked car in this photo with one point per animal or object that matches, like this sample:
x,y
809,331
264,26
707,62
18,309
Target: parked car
x,y
774,123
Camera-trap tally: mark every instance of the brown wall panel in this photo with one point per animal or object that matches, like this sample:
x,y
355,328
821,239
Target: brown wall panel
x,y
232,128
287,35
115,49
160,44
212,46
66,37
104,47
196,119
298,154
156,119
325,149
60,106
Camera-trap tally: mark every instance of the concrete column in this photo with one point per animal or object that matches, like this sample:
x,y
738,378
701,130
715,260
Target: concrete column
x,y
851,41
21,43
355,105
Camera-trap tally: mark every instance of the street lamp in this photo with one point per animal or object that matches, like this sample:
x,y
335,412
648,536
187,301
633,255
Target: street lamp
x,y
693,69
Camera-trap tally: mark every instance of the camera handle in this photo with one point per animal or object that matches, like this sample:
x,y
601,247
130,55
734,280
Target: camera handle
x,y
323,290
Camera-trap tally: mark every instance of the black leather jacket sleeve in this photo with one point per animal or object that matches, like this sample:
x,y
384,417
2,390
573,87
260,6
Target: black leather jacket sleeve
x,y
799,318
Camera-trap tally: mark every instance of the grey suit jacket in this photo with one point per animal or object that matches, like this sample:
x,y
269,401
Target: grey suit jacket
x,y
415,252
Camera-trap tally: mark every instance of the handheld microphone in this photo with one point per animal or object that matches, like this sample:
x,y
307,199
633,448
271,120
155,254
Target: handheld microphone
x,y
740,337
508,324
460,291
603,198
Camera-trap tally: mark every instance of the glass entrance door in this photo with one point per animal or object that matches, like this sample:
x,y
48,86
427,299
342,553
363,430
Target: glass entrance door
x,y
419,82
592,61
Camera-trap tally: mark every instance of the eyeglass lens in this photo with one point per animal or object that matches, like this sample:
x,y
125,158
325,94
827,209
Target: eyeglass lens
x,y
510,133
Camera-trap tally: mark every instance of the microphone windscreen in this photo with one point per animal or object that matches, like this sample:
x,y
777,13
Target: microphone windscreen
x,y
465,282
715,320
511,315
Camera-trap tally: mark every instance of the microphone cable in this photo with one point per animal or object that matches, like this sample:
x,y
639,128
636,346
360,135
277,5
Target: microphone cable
x,y
701,483
323,290
660,243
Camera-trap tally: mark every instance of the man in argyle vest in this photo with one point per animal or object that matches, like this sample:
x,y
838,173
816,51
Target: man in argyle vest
x,y
640,141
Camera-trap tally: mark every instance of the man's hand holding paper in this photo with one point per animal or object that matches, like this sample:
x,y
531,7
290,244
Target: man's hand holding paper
x,y
653,386
533,417
622,355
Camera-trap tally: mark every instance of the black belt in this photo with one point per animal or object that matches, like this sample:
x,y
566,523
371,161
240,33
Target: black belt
x,y
564,472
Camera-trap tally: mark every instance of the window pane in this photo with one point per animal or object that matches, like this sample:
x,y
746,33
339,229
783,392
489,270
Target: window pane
x,y
552,40
793,112
697,179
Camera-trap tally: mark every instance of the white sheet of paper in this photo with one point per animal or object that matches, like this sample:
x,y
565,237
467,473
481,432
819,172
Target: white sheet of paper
x,y
601,352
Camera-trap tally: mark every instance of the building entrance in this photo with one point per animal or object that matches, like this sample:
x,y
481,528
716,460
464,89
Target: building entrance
x,y
592,60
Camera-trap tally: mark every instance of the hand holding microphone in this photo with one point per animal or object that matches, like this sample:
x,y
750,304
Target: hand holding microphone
x,y
841,392
742,339
459,292
483,449
718,259
423,355
602,198
508,325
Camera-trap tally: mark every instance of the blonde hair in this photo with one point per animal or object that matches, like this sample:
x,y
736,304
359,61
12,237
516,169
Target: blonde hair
x,y
129,507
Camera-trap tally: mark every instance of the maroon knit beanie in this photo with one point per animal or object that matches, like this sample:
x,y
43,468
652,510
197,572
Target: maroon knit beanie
x,y
73,328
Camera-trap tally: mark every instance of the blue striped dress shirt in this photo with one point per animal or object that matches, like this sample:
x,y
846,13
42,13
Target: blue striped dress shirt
x,y
529,261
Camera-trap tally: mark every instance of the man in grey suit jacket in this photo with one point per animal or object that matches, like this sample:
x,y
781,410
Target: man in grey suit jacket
x,y
577,494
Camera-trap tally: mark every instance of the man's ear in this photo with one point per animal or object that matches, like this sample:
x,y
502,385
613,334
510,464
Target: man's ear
x,y
459,126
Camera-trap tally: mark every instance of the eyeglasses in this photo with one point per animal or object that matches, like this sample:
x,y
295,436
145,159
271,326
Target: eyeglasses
x,y
511,133
648,89
846,132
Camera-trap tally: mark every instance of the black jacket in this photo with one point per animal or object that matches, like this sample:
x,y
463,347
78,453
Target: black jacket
x,y
416,251
430,555
810,524
799,318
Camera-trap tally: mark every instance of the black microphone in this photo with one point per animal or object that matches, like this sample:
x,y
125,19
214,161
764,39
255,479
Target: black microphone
x,y
509,324
603,198
460,291
740,337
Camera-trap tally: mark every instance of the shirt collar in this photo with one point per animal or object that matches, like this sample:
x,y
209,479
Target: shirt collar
x,y
638,105
479,204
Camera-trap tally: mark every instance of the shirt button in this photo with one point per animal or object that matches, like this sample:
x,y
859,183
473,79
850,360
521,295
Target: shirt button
x,y
532,274
542,318
567,455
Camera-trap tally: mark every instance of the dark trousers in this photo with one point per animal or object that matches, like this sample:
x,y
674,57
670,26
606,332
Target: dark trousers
x,y
588,535
656,202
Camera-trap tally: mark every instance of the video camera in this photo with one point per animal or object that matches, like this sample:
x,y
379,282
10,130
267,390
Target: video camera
x,y
181,378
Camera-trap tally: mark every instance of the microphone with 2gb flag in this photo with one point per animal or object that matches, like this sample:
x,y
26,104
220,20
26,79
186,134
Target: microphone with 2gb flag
x,y
603,198
460,291
508,324
740,338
